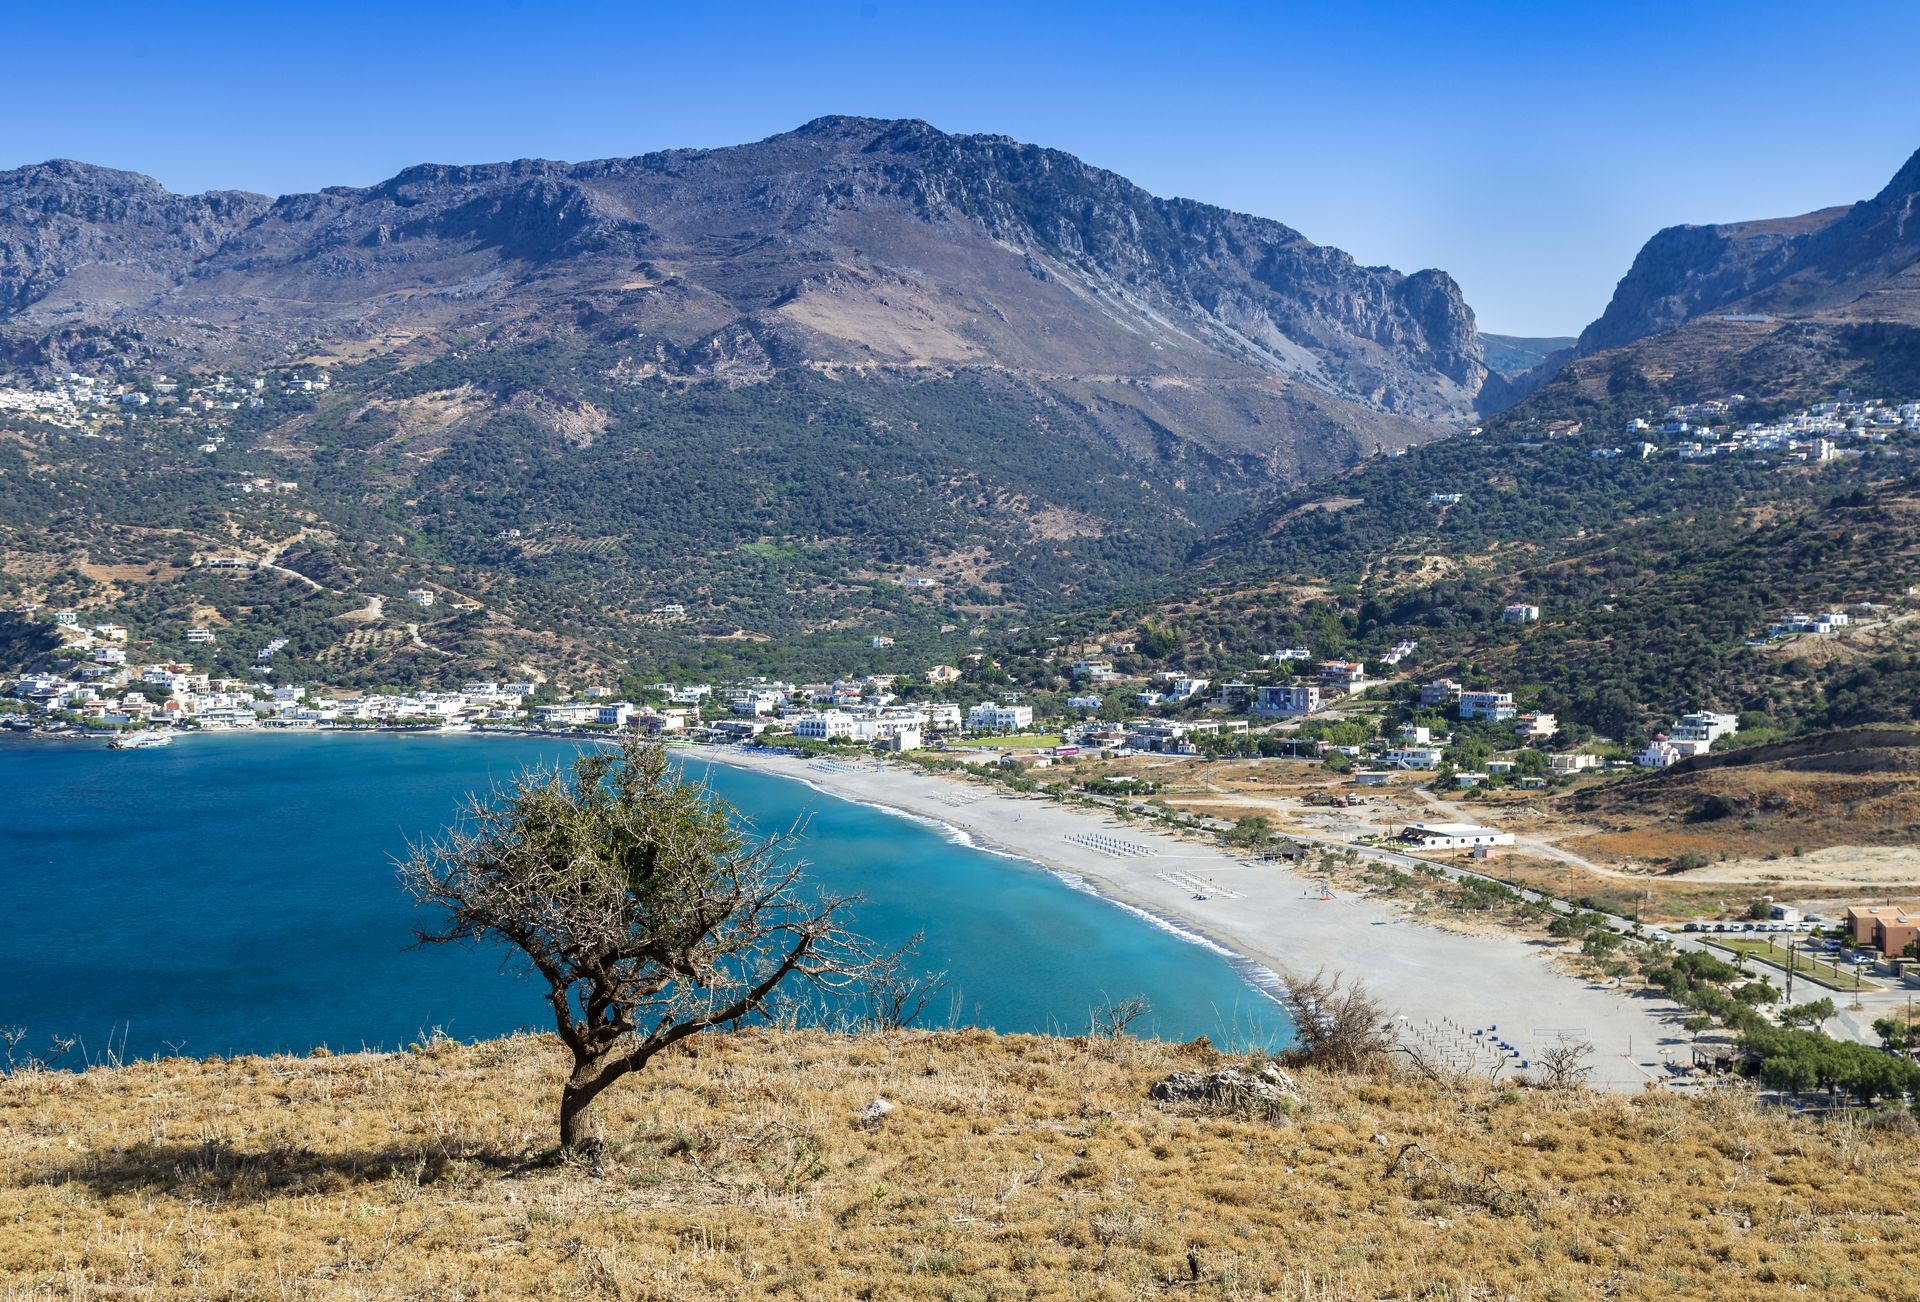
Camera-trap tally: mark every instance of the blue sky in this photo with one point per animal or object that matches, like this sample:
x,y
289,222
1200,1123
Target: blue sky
x,y
1528,149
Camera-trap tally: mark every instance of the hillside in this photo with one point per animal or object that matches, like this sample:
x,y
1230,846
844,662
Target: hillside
x,y
1850,788
850,241
1788,309
1008,1166
1652,576
552,504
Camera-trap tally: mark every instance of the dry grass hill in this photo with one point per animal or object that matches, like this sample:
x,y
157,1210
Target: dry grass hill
x,y
1009,1167
1850,788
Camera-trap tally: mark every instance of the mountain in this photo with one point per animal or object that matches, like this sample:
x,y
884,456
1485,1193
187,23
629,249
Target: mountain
x,y
765,383
850,241
1782,309
1852,263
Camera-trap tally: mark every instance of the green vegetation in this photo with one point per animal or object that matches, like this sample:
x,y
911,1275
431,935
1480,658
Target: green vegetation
x,y
1652,578
1803,963
567,498
1802,1061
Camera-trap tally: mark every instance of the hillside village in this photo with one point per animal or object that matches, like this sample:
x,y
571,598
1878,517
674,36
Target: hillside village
x,y
1098,696
1368,722
203,404
1699,431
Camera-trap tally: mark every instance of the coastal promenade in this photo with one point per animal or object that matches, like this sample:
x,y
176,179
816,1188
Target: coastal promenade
x,y
1446,984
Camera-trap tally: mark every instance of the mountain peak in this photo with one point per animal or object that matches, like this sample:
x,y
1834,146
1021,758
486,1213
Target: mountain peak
x,y
72,171
1905,182
851,125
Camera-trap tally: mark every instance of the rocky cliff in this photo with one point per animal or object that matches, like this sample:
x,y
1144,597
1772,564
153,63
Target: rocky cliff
x,y
848,241
1853,263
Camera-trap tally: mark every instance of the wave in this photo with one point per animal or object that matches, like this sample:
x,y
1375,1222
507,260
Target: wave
x,y
1263,979
1258,975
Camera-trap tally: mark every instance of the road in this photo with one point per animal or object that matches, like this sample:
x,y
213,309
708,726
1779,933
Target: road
x,y
1545,849
1853,1021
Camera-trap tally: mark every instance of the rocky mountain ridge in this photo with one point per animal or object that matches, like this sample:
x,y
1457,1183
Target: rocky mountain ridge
x,y
1854,262
849,241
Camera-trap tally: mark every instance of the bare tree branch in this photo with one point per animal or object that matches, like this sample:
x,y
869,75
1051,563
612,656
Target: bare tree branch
x,y
640,901
1336,1026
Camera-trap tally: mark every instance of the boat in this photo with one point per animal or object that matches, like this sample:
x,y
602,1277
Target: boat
x,y
139,741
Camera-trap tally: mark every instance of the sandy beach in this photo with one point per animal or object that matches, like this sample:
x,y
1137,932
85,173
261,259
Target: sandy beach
x,y
1445,984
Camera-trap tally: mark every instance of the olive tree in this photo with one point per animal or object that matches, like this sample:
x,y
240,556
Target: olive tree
x,y
647,910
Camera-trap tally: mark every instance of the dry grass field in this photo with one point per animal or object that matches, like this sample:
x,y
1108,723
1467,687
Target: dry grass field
x,y
1009,1167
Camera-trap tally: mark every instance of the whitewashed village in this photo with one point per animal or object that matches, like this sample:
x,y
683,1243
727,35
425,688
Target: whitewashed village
x,y
1368,722
1824,432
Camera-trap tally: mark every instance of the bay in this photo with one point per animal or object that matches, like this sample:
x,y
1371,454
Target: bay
x,y
236,893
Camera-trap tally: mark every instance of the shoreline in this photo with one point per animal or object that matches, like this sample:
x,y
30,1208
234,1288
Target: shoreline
x,y
1263,978
1263,919
1267,918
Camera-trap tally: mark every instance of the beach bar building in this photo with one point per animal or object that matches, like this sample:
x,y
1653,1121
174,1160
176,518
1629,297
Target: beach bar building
x,y
1452,836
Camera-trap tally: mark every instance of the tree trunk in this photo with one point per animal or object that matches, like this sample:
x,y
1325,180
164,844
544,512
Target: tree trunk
x,y
579,1126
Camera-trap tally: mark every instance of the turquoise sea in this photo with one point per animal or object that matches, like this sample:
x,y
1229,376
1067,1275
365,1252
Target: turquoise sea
x,y
235,894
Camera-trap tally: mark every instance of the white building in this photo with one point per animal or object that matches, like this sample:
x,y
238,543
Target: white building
x,y
1535,727
1413,757
942,716
1453,836
754,702
828,726
1704,727
1347,675
1287,701
1659,754
991,717
1519,613
1487,705
1798,622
